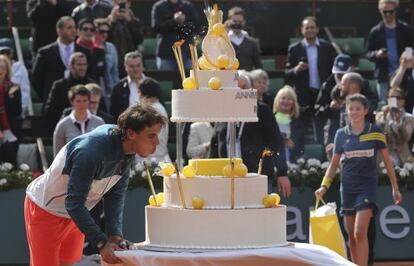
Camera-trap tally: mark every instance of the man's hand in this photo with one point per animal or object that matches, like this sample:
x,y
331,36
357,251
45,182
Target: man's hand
x,y
107,253
179,17
381,54
301,66
283,185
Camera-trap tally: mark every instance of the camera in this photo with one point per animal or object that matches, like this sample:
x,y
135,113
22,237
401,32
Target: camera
x,y
236,26
122,7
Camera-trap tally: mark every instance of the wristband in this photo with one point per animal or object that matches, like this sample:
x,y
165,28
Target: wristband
x,y
326,182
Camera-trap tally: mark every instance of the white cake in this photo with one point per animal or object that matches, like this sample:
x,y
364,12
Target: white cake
x,y
216,225
229,104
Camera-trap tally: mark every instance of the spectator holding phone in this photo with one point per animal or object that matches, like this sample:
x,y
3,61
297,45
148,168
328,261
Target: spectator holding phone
x,y
125,30
398,126
404,79
385,44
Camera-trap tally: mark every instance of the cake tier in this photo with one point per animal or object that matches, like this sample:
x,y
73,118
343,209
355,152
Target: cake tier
x,y
211,167
215,229
228,78
248,191
229,105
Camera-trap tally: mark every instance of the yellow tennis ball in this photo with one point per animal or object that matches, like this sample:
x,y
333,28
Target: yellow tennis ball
x,y
160,198
188,171
167,169
151,201
236,64
227,170
276,197
240,169
198,203
269,201
223,61
189,84
214,83
218,29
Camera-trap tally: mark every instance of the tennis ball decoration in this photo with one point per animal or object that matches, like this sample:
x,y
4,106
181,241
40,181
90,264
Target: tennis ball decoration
x,y
214,83
167,169
235,65
218,29
188,171
223,61
269,201
189,84
160,198
227,171
198,203
240,170
276,197
204,64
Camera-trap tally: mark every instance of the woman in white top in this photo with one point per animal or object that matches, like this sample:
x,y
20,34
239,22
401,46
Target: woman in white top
x,y
286,110
80,120
150,94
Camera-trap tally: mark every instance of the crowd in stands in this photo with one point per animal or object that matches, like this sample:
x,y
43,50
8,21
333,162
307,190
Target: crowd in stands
x,y
93,46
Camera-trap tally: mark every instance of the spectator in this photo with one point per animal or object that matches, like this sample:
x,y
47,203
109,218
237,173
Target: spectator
x,y
244,80
86,30
261,84
251,140
330,90
247,49
20,76
10,111
111,59
309,65
169,19
150,94
44,15
286,110
404,79
385,44
58,96
199,140
125,93
398,127
80,120
125,30
52,61
94,103
91,9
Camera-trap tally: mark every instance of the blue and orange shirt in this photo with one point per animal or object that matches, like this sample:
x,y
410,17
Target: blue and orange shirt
x,y
359,156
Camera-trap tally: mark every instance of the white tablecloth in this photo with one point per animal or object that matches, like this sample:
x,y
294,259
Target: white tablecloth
x,y
299,254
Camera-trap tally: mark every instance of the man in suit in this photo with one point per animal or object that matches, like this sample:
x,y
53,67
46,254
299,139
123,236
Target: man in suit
x,y
58,100
52,61
247,49
253,138
309,64
125,93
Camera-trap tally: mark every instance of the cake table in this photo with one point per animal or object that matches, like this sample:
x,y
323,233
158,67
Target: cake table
x,y
296,254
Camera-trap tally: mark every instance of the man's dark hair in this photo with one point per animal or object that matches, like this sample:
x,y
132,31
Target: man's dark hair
x,y
236,11
357,97
61,21
85,21
137,117
355,78
78,90
149,87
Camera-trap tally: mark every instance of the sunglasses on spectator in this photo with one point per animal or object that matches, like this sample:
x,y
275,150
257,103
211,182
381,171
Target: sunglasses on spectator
x,y
88,29
103,31
390,12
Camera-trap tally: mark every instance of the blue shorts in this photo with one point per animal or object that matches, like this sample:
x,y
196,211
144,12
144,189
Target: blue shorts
x,y
354,202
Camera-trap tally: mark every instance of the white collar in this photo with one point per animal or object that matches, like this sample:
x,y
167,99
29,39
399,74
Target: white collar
x,y
73,118
305,42
129,80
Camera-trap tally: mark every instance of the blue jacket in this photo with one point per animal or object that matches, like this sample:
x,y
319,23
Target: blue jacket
x,y
89,168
